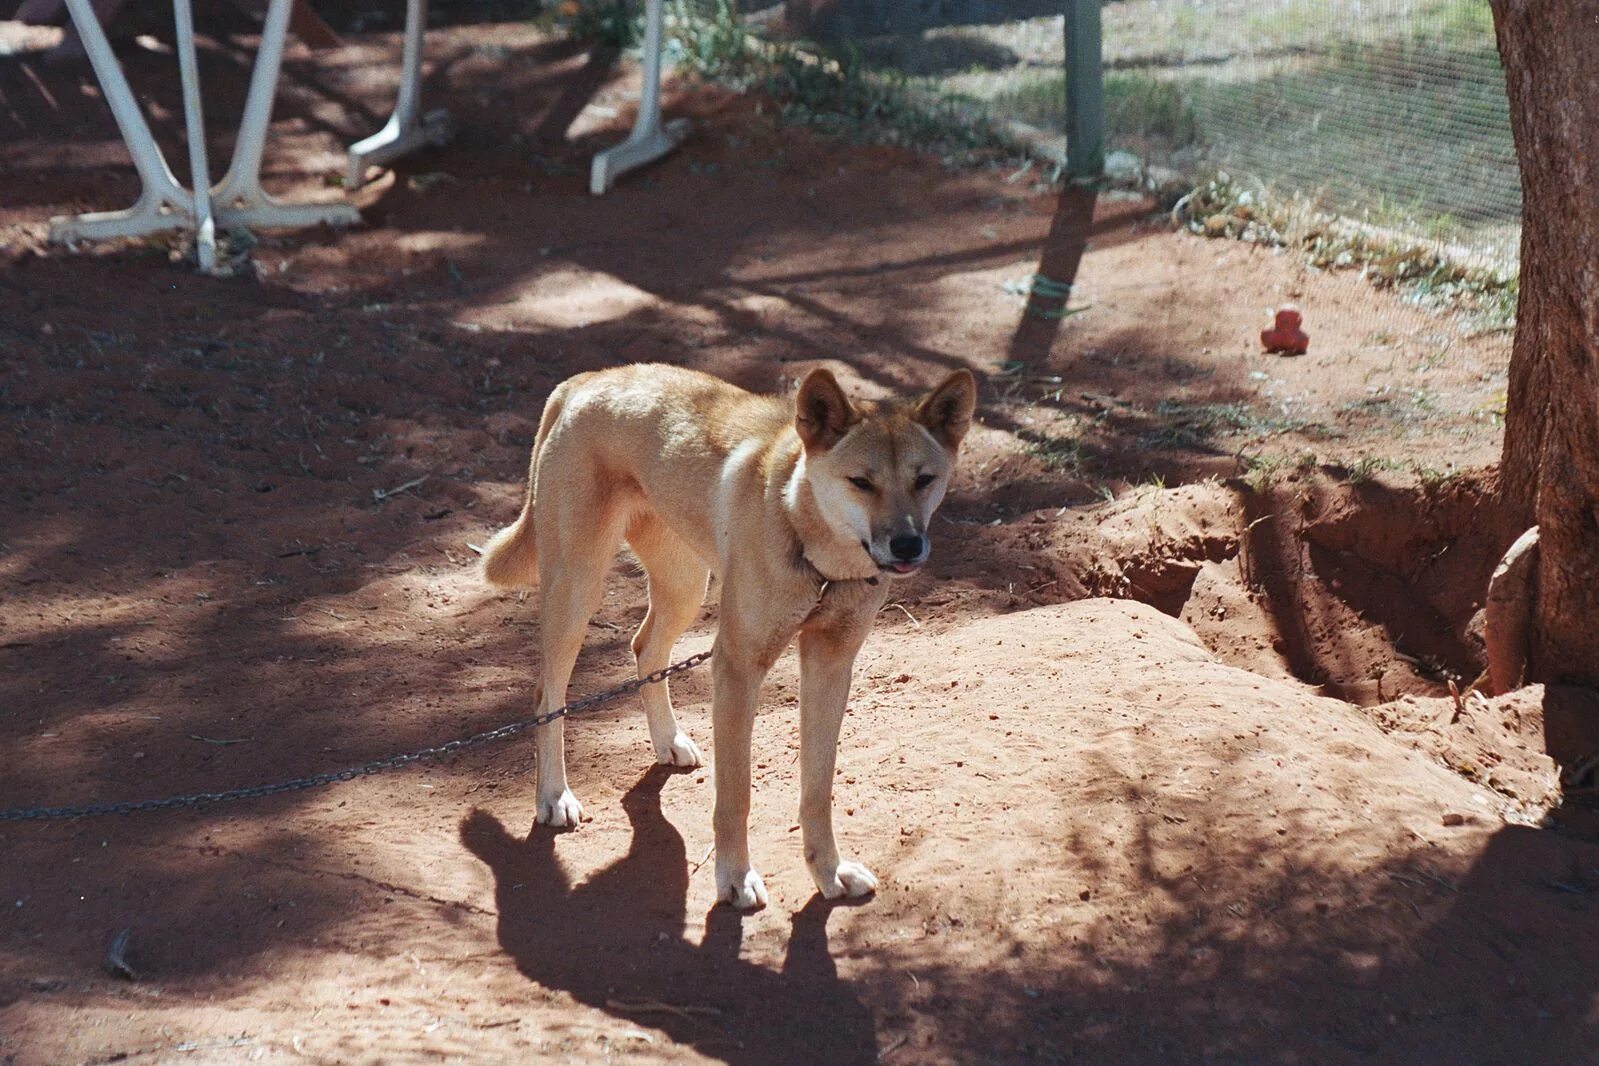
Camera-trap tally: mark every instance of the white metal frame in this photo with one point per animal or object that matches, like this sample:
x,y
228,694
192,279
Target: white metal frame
x,y
407,129
162,203
650,139
238,200
205,230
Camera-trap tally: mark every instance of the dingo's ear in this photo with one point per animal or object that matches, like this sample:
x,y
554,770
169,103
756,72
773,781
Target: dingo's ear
x,y
947,410
822,413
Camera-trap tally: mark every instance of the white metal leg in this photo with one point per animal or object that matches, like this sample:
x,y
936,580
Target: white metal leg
x,y
162,204
650,139
407,129
205,231
239,200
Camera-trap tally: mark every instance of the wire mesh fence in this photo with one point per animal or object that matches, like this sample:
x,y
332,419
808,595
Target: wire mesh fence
x,y
1388,112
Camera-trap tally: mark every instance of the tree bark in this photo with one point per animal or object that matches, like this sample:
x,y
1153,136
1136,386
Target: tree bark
x,y
1550,467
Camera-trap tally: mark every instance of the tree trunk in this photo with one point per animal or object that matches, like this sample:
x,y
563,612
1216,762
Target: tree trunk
x,y
1550,467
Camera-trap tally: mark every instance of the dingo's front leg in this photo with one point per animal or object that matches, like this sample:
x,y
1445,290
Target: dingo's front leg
x,y
737,690
825,669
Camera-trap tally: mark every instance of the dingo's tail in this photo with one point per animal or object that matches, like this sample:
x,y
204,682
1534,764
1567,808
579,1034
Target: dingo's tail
x,y
511,557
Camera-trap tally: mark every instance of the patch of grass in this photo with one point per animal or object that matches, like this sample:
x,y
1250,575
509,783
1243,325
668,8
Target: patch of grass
x,y
1367,467
1262,471
1138,106
1399,405
1454,20
1398,120
836,92
1223,206
1174,32
1198,425
1038,99
1060,454
1408,132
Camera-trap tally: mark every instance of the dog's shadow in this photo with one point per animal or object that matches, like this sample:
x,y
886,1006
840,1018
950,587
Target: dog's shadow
x,y
616,943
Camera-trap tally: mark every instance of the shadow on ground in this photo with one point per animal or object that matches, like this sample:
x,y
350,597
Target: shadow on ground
x,y
616,942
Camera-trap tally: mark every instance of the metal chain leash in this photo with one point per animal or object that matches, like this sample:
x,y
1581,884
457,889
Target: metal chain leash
x,y
377,766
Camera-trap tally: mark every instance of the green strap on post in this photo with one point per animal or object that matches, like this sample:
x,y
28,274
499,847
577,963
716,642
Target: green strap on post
x,y
1085,91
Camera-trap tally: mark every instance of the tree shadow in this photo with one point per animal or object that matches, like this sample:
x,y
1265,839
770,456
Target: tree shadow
x,y
615,942
1409,961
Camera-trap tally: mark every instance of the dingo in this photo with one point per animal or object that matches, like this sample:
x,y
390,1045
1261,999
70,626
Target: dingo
x,y
800,508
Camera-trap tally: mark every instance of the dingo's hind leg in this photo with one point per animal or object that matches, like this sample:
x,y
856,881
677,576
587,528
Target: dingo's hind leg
x,y
677,581
575,552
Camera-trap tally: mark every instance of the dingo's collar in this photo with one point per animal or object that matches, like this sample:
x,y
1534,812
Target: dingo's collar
x,y
817,574
829,582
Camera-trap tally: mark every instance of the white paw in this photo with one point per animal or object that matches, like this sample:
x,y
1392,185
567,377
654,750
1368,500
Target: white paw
x,y
560,811
744,889
680,752
850,879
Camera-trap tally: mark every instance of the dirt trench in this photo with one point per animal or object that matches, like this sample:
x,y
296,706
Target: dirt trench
x,y
1366,591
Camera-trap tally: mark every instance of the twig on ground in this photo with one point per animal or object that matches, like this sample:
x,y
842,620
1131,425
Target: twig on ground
x,y
907,614
898,1043
650,1006
210,1045
208,740
382,494
116,957
1408,880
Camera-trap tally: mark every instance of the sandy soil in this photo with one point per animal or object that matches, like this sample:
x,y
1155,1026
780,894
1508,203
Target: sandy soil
x,y
1110,829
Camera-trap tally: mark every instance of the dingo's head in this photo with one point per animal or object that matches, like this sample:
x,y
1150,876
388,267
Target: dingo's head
x,y
878,471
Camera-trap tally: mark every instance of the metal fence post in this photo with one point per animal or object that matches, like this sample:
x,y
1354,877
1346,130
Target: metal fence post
x,y
1085,91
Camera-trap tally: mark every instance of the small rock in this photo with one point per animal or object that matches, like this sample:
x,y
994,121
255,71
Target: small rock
x,y
1123,166
1454,818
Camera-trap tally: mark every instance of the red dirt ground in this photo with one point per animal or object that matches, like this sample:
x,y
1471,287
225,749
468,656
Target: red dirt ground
x,y
1108,829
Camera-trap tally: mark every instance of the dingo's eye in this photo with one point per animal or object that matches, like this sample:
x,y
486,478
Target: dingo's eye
x,y
861,483
924,480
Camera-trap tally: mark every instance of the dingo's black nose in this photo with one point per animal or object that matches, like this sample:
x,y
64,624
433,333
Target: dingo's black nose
x,y
906,547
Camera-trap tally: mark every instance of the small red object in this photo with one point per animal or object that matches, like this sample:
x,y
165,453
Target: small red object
x,y
1286,336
